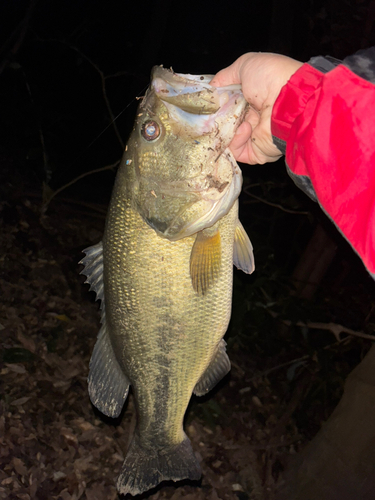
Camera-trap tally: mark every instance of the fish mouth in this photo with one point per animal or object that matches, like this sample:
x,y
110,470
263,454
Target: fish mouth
x,y
193,94
193,103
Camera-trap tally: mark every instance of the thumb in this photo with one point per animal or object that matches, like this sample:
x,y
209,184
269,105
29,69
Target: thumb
x,y
226,76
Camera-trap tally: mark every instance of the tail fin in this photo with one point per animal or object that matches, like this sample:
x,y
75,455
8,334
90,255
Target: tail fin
x,y
144,469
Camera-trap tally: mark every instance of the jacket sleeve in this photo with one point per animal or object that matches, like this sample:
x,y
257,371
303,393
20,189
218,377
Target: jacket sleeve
x,y
324,123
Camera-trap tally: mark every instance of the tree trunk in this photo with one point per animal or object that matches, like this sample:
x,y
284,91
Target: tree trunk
x,y
339,463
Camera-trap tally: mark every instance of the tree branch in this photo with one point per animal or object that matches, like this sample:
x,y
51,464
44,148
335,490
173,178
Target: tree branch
x,y
334,328
49,196
18,34
276,205
104,91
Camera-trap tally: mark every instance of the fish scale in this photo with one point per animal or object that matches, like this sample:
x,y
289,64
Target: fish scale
x,y
164,271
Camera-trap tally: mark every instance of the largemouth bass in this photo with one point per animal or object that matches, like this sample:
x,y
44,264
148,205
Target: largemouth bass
x,y
164,270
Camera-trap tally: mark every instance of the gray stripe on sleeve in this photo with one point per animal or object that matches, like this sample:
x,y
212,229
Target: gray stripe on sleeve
x,y
362,63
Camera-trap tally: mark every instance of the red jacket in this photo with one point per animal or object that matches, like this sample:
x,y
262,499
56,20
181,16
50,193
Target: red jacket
x,y
324,118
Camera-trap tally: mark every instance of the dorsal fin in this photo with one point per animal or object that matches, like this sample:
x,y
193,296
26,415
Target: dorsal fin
x,y
205,260
93,270
243,257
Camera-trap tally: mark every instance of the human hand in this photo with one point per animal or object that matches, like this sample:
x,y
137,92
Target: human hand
x,y
262,75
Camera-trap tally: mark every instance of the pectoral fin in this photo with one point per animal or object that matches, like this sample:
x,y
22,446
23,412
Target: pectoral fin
x,y
243,257
216,370
205,260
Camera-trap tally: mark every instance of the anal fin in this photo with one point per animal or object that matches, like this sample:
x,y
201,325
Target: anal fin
x,y
108,385
205,260
217,369
243,257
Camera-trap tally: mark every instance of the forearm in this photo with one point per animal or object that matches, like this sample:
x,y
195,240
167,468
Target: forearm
x,y
324,120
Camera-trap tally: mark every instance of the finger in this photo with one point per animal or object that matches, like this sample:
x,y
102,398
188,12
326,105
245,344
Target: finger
x,y
262,137
226,76
254,145
263,149
243,134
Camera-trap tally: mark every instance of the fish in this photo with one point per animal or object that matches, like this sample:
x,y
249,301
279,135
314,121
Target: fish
x,y
164,270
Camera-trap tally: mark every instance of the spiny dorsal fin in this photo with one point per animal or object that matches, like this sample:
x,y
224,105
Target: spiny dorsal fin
x,y
243,257
205,260
217,369
93,269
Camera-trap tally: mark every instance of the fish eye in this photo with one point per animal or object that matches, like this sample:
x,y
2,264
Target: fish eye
x,y
150,130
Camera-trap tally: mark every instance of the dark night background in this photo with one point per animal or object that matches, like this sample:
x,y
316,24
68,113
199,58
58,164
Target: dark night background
x,y
49,84
65,67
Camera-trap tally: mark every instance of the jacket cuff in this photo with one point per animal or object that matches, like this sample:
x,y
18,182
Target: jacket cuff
x,y
280,128
292,100
324,64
